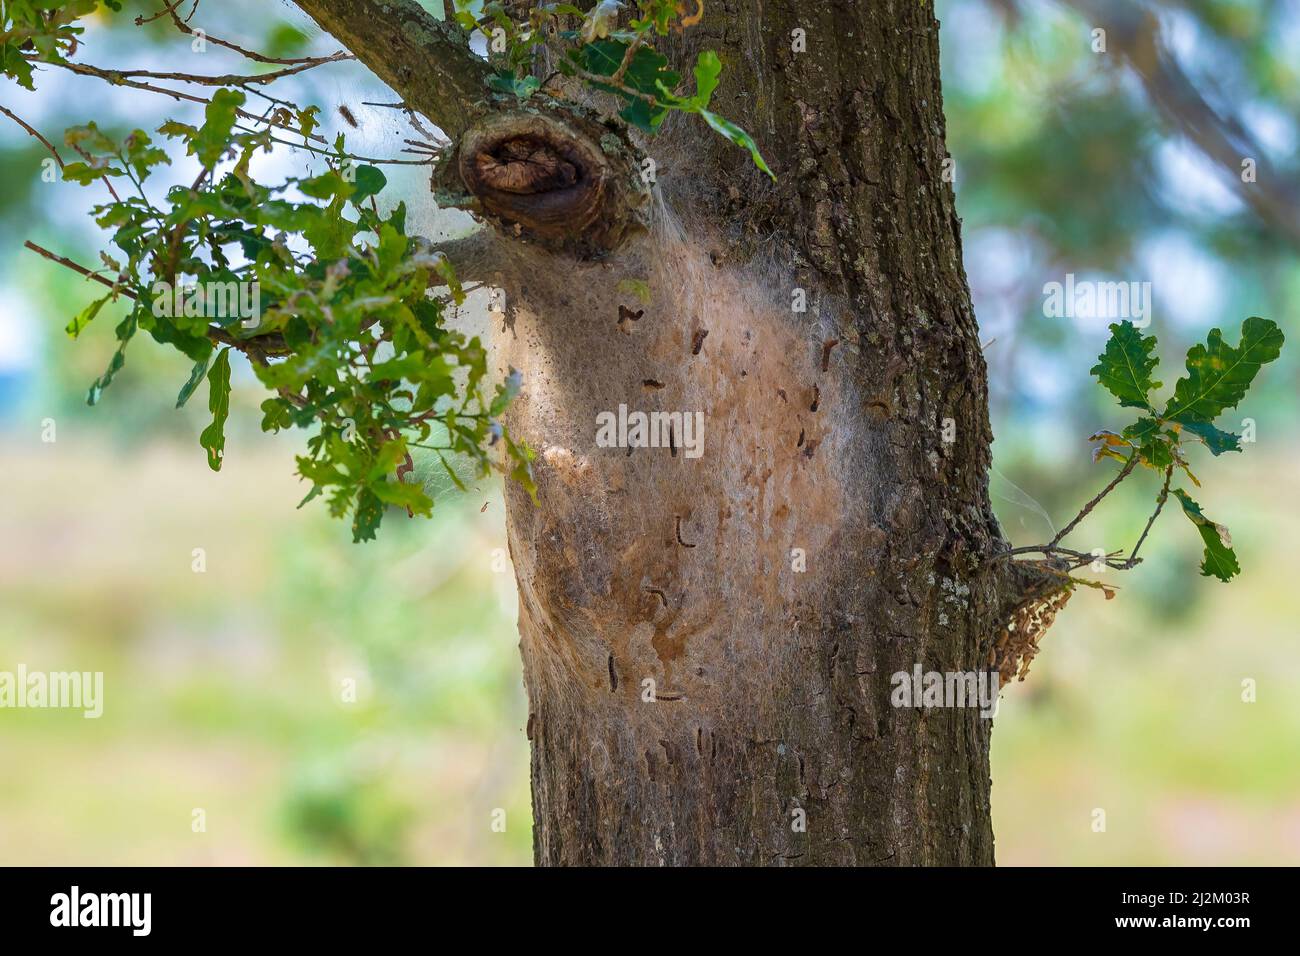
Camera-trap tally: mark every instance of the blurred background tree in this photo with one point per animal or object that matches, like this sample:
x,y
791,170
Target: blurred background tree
x,y
1122,165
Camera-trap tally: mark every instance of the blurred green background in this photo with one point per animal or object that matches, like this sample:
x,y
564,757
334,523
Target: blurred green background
x,y
225,688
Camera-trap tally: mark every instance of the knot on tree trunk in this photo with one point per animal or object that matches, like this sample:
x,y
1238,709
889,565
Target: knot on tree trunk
x,y
555,175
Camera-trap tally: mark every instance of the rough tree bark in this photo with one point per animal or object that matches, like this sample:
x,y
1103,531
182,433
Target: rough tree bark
x,y
824,431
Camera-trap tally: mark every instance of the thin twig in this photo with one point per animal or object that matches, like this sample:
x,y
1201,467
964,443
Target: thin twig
x,y
170,8
1080,558
1039,549
223,79
44,142
636,44
323,152
1160,503
425,146
605,81
116,79
256,348
1077,558
1124,473
112,190
78,268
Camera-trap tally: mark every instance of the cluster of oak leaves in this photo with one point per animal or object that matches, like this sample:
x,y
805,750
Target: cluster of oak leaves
x,y
351,333
1218,376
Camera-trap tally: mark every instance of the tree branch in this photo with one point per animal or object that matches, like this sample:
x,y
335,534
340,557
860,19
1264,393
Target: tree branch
x,y
169,7
31,130
256,348
1078,558
117,79
224,79
77,267
1160,503
361,159
555,173
1084,512
426,61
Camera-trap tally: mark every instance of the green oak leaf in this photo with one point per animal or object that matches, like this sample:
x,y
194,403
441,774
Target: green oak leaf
x,y
143,155
1154,445
277,414
213,437
89,137
197,374
647,73
84,317
308,121
738,136
506,82
125,331
1218,375
708,67
523,457
85,173
506,392
642,115
369,180
369,513
403,495
1215,439
601,57
1220,560
1125,367
14,64
175,129
213,139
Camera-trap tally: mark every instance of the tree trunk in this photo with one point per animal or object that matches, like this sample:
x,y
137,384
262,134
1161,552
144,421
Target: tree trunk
x,y
709,641
696,696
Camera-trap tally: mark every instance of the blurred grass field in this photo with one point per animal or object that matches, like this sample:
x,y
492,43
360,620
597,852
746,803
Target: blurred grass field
x,y
223,688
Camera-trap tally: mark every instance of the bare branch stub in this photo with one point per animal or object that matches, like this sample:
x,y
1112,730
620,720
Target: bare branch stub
x,y
425,60
551,172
